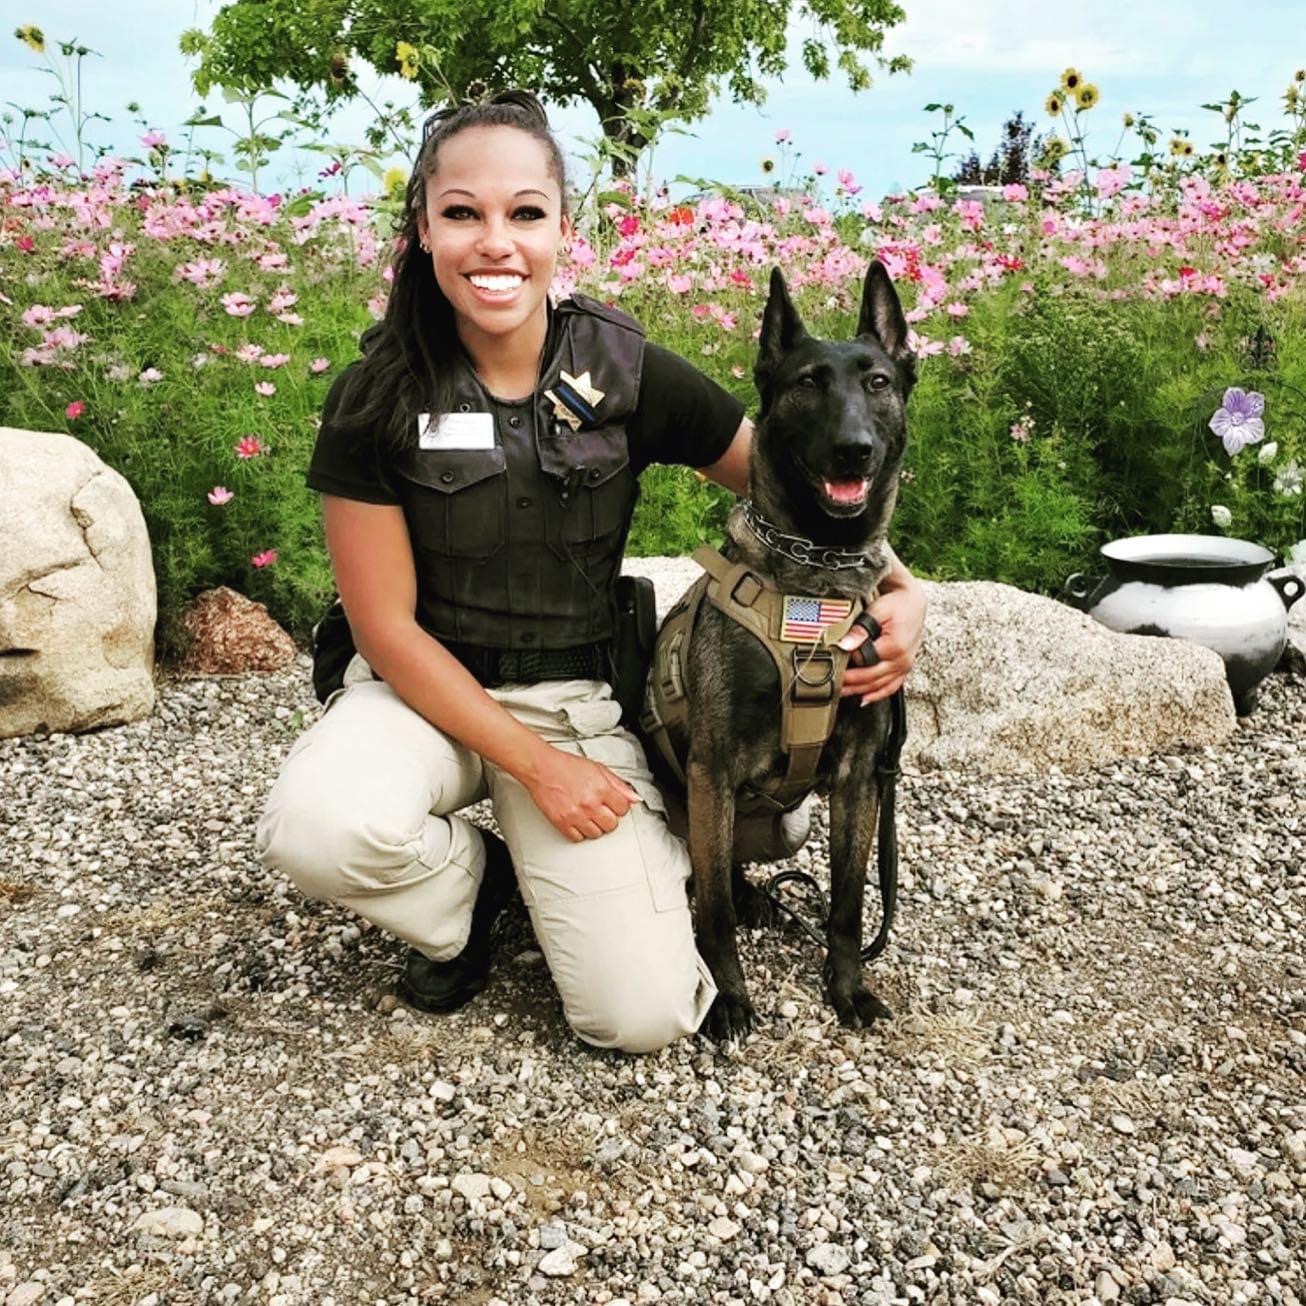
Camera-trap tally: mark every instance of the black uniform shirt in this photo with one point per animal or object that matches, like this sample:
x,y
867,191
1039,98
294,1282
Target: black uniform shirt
x,y
681,416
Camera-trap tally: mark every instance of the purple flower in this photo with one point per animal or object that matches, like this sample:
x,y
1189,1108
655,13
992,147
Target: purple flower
x,y
1238,420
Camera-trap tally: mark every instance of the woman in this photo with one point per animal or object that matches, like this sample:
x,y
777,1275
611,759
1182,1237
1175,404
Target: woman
x,y
478,469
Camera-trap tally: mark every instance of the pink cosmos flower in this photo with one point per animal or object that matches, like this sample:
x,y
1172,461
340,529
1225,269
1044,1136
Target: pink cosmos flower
x,y
376,306
150,376
820,169
264,559
282,299
249,446
74,410
319,365
202,272
238,304
249,353
290,319
783,135
265,388
958,345
1015,193
957,309
219,495
274,360
153,139
679,283
628,225
581,252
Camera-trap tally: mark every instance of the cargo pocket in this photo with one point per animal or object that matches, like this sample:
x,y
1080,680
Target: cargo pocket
x,y
456,501
599,505
664,856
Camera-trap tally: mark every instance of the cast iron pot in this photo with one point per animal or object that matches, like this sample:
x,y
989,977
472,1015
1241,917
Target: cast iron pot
x,y
1206,588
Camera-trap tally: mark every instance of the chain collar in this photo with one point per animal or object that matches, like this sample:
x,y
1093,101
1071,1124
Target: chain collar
x,y
797,548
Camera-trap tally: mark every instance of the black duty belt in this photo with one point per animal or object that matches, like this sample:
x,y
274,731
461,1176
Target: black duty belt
x,y
502,666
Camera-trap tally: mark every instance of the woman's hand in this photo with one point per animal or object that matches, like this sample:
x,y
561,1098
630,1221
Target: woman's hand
x,y
580,798
900,611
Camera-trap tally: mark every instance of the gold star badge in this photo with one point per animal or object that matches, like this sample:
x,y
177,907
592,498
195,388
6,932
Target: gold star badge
x,y
562,412
587,396
582,386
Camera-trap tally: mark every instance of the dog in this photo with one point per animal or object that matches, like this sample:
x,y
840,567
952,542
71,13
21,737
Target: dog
x,y
823,480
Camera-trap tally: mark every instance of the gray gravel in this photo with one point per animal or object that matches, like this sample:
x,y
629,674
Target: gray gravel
x,y
1092,1091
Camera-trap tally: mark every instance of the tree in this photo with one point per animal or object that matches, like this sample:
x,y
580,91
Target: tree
x,y
1010,162
638,65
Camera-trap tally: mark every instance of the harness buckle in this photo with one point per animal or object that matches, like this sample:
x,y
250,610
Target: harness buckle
x,y
814,672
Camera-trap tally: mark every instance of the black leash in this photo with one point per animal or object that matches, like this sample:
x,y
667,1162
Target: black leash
x,y
886,856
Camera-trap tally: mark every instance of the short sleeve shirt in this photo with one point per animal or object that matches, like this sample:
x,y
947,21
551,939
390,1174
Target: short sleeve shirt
x,y
681,416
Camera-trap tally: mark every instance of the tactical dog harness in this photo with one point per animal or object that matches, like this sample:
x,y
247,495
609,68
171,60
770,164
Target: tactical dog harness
x,y
801,634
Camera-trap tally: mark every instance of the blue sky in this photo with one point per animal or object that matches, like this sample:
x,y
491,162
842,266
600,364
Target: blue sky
x,y
987,57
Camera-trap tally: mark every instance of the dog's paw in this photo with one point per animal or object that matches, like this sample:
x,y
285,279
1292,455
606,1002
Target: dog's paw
x,y
859,1009
731,1016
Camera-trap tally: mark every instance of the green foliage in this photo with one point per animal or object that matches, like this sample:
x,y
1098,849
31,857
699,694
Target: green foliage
x,y
639,66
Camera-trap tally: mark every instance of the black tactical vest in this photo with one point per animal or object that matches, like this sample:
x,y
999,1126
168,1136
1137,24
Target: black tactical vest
x,y
518,546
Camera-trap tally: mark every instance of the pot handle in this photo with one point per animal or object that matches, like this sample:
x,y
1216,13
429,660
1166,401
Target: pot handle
x,y
1078,588
1290,586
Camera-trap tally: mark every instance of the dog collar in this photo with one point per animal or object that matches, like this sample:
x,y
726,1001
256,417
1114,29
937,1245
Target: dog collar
x,y
797,548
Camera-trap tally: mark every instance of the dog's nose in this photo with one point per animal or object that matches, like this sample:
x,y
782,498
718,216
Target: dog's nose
x,y
855,449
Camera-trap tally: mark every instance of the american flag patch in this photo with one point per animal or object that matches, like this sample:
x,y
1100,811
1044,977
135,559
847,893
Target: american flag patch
x,y
803,619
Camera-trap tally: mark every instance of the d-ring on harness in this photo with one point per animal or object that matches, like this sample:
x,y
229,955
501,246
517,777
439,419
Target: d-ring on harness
x,y
811,668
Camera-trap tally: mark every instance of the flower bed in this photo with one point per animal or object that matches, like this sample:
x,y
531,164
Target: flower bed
x,y
1072,363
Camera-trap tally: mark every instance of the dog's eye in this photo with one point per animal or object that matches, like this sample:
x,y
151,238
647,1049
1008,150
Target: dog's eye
x,y
808,381
877,381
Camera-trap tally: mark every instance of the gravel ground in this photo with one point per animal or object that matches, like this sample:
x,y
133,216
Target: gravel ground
x,y
1092,1090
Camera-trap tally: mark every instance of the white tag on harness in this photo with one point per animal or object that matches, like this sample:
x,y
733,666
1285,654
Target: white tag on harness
x,y
456,431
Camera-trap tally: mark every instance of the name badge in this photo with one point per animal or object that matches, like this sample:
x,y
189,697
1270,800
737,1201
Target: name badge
x,y
456,431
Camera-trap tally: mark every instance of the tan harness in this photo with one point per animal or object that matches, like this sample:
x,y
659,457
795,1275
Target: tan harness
x,y
811,671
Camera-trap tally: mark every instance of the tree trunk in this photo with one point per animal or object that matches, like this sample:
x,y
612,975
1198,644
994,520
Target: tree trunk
x,y
622,94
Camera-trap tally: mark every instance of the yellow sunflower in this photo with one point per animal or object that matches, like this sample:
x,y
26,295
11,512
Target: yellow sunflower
x,y
1128,120
408,59
1179,147
1071,80
768,164
1054,150
32,37
394,183
1053,104
1087,96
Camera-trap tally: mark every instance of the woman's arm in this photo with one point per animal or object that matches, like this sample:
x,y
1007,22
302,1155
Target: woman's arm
x,y
373,562
900,607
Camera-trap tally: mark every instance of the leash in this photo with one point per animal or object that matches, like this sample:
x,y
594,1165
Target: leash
x,y
887,770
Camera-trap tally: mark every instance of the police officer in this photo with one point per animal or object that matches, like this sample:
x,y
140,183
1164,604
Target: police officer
x,y
478,467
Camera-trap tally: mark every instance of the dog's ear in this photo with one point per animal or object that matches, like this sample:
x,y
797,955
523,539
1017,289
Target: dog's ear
x,y
881,314
782,329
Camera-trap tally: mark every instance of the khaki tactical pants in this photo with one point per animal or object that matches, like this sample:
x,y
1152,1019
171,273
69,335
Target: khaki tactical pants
x,y
363,814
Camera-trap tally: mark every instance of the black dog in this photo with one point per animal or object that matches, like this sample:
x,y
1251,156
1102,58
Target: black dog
x,y
823,481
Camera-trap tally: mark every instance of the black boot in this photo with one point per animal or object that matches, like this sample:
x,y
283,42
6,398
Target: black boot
x,y
448,985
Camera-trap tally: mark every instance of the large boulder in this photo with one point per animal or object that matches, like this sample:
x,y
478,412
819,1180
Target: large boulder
x,y
77,593
230,634
1009,681
1013,682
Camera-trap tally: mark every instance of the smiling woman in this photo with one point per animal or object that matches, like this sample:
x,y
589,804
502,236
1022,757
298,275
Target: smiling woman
x,y
479,467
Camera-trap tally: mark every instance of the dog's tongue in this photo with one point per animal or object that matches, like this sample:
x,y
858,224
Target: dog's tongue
x,y
847,491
